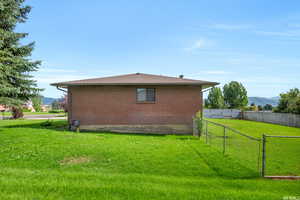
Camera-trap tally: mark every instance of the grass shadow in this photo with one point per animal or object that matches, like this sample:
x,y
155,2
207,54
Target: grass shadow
x,y
224,166
62,125
125,133
187,138
47,124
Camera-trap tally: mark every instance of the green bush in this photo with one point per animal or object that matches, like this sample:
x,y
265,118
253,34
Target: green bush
x,y
26,110
56,111
250,108
198,117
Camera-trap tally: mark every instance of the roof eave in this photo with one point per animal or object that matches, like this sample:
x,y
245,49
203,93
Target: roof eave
x,y
131,84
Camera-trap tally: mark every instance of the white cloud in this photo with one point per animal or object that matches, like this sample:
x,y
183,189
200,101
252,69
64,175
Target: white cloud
x,y
288,33
268,80
288,29
199,44
294,25
256,61
231,27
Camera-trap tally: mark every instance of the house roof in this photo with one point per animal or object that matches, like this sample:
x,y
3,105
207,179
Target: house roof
x,y
137,79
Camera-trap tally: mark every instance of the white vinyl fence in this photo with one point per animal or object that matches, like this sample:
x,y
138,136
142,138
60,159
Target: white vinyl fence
x,y
285,119
222,113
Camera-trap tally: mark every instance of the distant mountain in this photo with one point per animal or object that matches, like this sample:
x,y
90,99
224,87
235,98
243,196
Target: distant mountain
x,y
263,101
48,100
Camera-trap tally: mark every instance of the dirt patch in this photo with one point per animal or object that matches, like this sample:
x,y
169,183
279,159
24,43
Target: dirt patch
x,y
75,160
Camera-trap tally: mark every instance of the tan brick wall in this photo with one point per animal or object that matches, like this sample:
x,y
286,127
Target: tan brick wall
x,y
116,105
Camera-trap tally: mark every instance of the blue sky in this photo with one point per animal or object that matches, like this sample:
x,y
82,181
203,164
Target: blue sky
x,y
254,42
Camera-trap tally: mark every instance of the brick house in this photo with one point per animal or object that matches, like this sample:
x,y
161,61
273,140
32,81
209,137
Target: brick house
x,y
139,103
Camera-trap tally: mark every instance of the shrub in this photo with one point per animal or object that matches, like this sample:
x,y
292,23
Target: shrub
x,y
198,118
26,110
56,111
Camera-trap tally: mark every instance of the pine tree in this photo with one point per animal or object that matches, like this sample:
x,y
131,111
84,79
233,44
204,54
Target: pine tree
x,y
17,85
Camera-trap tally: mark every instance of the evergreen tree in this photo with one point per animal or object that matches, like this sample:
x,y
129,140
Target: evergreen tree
x,y
235,95
17,85
215,99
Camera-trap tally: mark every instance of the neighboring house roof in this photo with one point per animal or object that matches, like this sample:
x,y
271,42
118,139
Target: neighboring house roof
x,y
137,79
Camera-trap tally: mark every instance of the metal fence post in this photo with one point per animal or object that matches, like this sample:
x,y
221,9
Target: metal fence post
x,y
200,126
224,140
195,127
263,168
206,132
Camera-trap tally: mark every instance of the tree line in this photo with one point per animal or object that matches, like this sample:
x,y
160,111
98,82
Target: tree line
x,y
234,96
289,102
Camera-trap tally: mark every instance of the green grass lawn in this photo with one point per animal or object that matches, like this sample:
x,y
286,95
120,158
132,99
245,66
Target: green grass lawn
x,y
34,113
256,129
48,162
282,154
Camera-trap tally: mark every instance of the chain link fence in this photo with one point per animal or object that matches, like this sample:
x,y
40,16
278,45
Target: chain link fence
x,y
269,156
281,156
233,143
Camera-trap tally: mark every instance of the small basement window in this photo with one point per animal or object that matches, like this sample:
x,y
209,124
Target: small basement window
x,y
145,94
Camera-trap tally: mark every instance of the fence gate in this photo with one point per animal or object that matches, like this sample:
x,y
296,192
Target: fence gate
x,y
280,156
